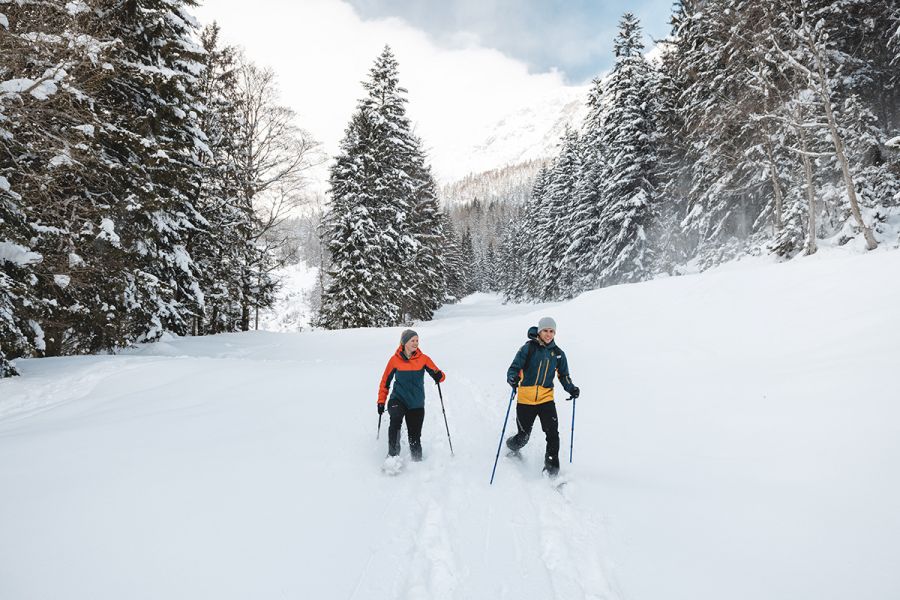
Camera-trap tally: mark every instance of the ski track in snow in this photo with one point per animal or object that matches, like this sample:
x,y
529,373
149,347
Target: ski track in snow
x,y
554,543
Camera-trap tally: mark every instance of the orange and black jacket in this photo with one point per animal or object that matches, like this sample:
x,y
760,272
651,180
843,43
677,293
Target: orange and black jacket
x,y
534,367
408,375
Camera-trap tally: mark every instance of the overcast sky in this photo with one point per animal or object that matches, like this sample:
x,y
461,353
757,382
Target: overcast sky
x,y
571,36
466,63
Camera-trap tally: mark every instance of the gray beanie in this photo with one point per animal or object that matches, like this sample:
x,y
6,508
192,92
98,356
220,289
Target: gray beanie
x,y
546,323
406,336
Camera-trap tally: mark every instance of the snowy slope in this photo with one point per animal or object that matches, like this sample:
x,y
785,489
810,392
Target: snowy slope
x,y
529,132
731,442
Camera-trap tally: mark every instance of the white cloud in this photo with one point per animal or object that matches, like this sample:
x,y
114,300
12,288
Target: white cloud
x,y
321,50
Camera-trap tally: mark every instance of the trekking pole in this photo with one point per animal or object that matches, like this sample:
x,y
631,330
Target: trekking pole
x,y
572,435
379,427
502,433
445,418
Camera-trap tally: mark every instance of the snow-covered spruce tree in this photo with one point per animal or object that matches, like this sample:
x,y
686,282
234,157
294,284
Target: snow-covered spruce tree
x,y
710,102
218,247
692,65
358,290
380,186
581,261
628,184
17,122
150,136
467,250
672,241
396,154
866,34
530,286
428,266
455,265
512,261
16,297
62,182
554,222
490,269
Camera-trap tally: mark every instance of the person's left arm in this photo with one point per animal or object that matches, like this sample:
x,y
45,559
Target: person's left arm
x,y
432,369
562,371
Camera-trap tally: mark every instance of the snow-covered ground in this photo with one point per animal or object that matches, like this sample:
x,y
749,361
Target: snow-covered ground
x,y
738,437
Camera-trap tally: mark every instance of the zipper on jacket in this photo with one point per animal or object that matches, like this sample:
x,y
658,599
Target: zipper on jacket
x,y
539,381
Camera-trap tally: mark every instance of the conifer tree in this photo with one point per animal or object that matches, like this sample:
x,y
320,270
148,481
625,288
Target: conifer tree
x,y
582,259
455,265
218,246
468,256
555,225
358,293
629,188
427,267
384,232
533,228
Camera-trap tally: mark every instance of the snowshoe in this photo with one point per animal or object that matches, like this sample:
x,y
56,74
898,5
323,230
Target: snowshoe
x,y
515,455
393,465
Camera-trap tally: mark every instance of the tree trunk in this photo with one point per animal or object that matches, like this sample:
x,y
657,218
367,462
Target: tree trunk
x,y
776,186
245,317
823,82
810,193
871,244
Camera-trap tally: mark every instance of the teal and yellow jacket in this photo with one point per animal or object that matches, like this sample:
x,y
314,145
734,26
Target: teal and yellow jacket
x,y
536,377
408,375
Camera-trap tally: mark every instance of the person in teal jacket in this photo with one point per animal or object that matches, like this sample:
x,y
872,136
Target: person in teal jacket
x,y
531,375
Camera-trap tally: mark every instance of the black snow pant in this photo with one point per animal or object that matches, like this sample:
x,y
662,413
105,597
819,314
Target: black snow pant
x,y
415,417
525,416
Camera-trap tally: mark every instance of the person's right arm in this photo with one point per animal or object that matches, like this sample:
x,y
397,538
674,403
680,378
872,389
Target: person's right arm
x,y
385,385
514,373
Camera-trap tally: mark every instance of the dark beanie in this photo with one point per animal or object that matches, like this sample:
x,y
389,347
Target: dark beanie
x,y
406,336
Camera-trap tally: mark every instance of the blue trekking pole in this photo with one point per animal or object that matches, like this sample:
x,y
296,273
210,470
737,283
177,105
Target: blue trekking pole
x,y
502,433
572,436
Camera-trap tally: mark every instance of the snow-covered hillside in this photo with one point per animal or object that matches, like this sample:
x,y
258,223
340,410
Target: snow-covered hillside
x,y
528,133
737,437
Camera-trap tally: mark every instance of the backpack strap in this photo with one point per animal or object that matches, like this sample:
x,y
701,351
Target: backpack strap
x,y
528,356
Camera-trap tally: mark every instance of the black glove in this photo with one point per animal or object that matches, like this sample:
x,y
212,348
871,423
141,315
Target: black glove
x,y
437,376
513,382
380,407
574,392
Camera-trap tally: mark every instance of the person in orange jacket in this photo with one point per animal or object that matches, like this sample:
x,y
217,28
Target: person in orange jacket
x,y
406,368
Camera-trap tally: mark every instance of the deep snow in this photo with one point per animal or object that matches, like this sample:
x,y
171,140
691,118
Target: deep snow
x,y
738,436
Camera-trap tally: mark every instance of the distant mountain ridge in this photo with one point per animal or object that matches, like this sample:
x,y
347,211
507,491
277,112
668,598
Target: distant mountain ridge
x,y
514,144
511,183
